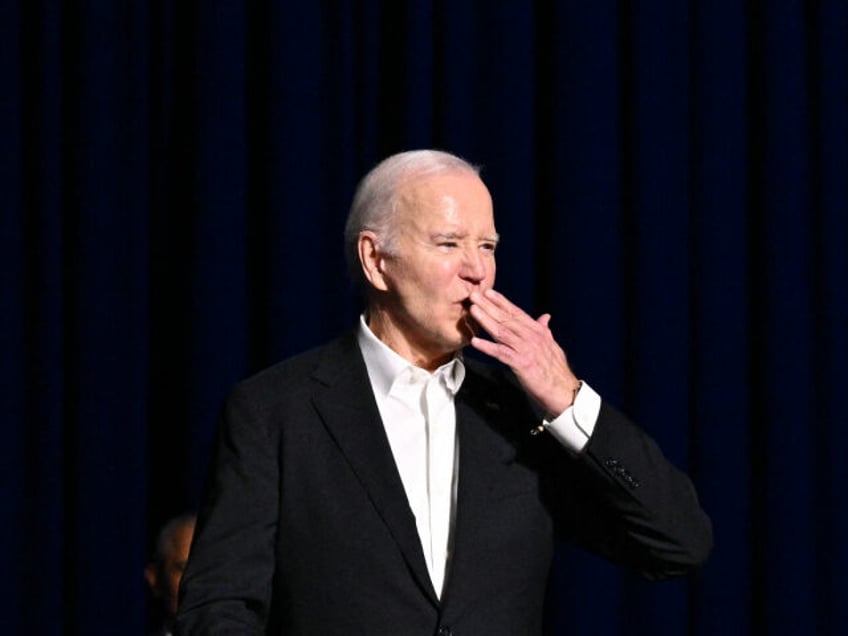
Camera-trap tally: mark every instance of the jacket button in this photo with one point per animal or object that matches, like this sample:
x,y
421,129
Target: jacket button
x,y
445,631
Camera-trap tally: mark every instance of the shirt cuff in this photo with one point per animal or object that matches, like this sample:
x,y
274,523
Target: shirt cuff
x,y
575,425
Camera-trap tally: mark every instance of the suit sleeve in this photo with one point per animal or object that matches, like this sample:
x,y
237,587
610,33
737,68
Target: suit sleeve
x,y
629,504
226,588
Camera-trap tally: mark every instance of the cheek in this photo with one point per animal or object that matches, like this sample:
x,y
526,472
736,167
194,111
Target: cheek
x,y
441,276
489,281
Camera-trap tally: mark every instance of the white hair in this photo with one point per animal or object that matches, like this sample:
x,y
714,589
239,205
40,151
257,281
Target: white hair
x,y
376,199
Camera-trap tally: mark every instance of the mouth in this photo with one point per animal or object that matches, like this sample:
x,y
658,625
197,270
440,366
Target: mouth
x,y
466,304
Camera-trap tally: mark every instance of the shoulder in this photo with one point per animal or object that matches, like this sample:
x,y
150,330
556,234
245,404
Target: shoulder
x,y
300,374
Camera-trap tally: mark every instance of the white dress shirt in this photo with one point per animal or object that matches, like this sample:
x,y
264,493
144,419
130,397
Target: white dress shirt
x,y
419,417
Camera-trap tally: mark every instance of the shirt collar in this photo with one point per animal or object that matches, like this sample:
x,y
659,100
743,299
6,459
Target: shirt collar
x,y
384,365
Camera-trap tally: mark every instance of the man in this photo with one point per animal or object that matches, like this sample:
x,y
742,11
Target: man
x,y
164,572
384,485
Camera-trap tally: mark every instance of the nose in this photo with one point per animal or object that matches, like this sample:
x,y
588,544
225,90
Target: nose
x,y
474,266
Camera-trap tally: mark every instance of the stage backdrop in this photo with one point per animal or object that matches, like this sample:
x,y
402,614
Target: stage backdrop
x,y
669,180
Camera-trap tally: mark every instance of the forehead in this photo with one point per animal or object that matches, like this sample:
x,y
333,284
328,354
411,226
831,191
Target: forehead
x,y
452,198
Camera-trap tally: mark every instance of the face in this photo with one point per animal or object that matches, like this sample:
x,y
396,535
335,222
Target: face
x,y
444,249
165,578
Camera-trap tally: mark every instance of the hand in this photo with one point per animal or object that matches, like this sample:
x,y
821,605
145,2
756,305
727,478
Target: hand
x,y
528,347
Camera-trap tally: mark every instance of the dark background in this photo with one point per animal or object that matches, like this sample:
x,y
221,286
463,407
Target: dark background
x,y
669,180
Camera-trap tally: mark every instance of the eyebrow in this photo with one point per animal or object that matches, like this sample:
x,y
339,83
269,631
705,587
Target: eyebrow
x,y
455,235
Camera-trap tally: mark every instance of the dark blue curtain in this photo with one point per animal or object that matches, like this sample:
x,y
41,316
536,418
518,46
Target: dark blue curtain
x,y
670,179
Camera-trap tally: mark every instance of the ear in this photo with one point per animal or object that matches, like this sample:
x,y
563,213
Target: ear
x,y
371,259
151,575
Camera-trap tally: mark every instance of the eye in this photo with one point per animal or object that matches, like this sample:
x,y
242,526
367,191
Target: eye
x,y
488,247
448,244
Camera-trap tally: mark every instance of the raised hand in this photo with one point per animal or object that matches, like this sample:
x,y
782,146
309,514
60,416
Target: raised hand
x,y
528,347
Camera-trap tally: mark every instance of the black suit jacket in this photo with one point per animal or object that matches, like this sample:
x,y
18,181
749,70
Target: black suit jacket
x,y
306,527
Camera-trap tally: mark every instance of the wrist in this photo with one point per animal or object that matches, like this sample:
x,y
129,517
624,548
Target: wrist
x,y
575,390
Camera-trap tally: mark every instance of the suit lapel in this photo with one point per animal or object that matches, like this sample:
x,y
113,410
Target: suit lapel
x,y
349,411
483,454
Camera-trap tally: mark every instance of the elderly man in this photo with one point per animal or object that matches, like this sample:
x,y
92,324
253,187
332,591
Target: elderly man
x,y
165,570
385,485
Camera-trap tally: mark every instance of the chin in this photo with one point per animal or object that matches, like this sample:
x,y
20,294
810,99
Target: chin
x,y
454,340
468,328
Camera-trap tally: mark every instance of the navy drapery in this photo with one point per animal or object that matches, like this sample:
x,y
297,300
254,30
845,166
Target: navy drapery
x,y
669,179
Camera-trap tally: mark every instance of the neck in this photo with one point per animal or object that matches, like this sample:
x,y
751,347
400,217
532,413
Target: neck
x,y
389,332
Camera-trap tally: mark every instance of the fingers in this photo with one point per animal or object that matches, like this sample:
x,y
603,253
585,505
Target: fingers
x,y
527,346
518,340
488,347
503,321
496,304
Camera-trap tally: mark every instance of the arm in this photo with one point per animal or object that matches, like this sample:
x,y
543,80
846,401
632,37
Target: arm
x,y
227,584
632,506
